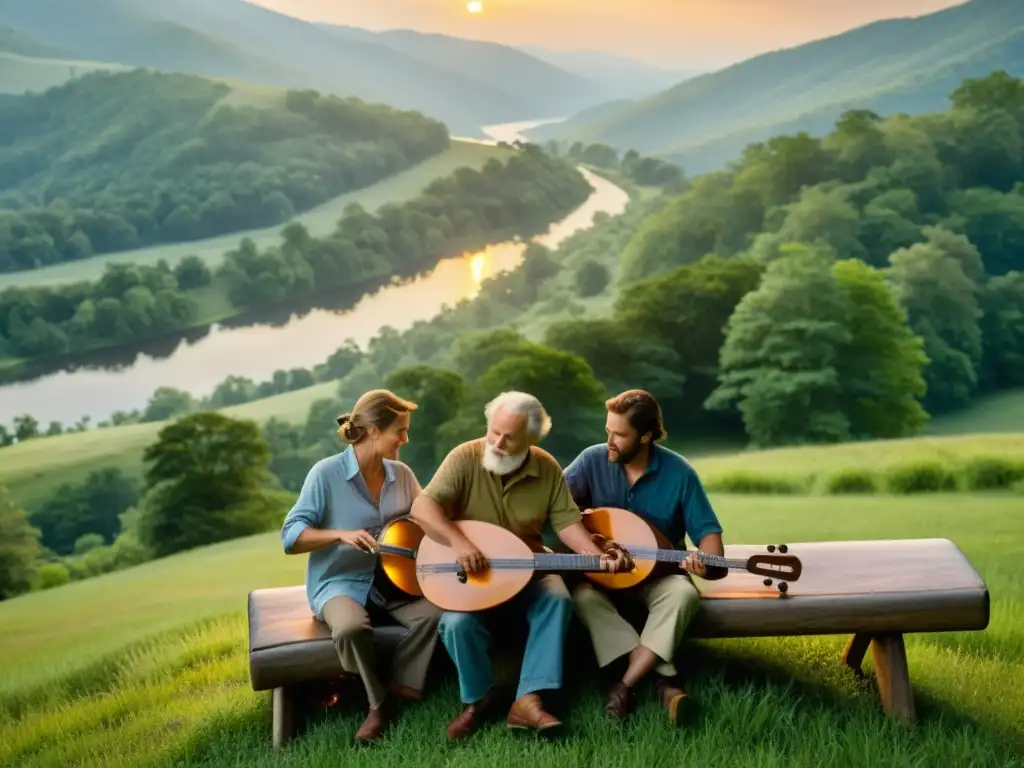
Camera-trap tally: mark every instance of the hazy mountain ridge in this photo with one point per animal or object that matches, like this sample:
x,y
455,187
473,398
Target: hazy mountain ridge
x,y
899,65
235,39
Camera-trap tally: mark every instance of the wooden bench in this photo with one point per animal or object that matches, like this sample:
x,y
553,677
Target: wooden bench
x,y
874,591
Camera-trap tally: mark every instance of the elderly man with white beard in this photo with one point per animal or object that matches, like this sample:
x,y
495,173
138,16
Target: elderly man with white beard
x,y
505,479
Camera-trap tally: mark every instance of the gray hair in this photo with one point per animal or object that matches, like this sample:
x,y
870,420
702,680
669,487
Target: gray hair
x,y
538,423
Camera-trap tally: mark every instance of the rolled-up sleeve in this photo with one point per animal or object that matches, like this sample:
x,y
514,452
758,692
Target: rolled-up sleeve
x,y
447,485
308,511
699,516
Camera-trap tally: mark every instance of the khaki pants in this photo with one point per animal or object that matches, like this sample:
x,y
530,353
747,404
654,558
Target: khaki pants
x,y
352,632
671,601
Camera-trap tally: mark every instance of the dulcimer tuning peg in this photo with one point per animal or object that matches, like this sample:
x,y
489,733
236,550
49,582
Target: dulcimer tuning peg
x,y
783,548
771,547
767,582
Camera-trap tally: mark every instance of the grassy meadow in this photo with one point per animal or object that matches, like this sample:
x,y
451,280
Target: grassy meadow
x,y
320,221
149,667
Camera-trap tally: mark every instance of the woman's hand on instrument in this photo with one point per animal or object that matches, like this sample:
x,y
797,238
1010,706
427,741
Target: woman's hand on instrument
x,y
693,565
468,556
361,540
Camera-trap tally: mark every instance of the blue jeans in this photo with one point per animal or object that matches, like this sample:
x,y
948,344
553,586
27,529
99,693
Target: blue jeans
x,y
548,610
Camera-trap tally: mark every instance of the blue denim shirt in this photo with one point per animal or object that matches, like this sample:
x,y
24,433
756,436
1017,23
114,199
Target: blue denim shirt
x,y
334,496
668,495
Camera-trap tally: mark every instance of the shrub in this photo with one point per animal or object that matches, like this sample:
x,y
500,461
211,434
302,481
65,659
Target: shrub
x,y
920,477
991,472
750,482
52,575
851,481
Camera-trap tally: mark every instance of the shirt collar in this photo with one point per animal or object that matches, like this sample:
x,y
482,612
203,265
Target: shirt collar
x,y
350,466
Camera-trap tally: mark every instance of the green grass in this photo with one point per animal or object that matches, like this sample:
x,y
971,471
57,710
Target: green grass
x,y
28,469
320,220
148,667
807,466
1001,412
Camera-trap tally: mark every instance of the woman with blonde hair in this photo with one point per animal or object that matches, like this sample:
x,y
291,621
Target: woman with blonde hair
x,y
363,487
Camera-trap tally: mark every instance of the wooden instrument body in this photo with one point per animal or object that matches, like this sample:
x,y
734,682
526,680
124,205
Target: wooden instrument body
x,y
396,570
451,589
632,532
654,555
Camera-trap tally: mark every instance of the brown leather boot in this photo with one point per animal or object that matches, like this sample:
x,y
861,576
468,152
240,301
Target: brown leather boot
x,y
528,712
619,702
673,698
470,718
376,722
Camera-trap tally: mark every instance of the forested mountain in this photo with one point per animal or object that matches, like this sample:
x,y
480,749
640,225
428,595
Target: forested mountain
x,y
113,161
235,39
893,66
929,208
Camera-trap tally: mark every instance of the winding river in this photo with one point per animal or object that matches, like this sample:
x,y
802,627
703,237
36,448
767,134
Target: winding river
x,y
122,380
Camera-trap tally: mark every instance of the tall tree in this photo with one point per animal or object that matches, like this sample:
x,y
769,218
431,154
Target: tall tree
x,y
779,363
686,311
205,478
941,300
1003,331
19,549
880,369
564,384
438,393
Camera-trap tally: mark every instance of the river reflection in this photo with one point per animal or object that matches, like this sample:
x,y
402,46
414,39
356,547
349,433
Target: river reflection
x,y
287,338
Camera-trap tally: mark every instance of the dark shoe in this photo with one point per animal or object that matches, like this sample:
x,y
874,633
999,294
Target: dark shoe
x,y
377,720
528,712
470,717
619,702
405,692
673,698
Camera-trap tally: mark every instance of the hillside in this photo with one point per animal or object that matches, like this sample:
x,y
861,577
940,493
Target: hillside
x,y
231,38
139,158
898,65
319,221
553,90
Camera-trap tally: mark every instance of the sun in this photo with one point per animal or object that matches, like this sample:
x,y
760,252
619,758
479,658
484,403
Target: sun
x,y
475,7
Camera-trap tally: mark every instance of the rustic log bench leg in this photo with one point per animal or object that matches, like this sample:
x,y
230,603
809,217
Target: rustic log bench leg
x,y
892,674
285,715
853,655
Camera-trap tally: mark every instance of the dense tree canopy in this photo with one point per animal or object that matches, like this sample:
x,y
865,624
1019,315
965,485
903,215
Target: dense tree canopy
x,y
465,210
113,161
205,478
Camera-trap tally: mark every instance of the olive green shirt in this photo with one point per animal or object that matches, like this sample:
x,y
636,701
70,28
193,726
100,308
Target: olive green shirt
x,y
522,502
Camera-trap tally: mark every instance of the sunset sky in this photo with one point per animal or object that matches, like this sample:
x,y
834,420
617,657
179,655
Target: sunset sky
x,y
677,32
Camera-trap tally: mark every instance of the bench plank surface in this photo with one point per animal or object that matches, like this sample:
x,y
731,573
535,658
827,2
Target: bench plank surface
x,y
866,588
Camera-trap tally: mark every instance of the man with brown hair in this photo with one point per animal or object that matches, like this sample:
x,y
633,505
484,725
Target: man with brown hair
x,y
631,471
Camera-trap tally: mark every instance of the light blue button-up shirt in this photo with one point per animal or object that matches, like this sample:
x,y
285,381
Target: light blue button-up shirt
x,y
334,496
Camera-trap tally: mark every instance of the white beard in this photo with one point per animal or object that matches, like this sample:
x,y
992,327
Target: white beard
x,y
497,464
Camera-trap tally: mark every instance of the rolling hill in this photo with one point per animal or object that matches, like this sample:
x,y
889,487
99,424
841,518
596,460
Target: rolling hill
x,y
554,90
235,39
899,65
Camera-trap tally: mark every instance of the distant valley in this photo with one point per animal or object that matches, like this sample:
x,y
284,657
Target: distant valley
x,y
464,83
892,66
